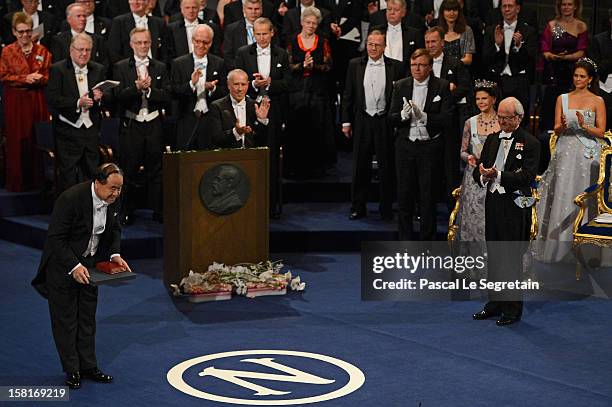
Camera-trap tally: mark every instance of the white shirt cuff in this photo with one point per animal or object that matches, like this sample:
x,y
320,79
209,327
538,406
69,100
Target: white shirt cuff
x,y
346,125
74,268
238,136
498,177
264,121
497,48
114,255
192,86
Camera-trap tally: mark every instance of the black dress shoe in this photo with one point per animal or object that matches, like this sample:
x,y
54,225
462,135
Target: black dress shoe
x,y
503,321
73,380
357,215
97,376
485,315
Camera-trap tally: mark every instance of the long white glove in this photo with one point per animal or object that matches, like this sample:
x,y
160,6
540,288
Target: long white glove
x,y
406,110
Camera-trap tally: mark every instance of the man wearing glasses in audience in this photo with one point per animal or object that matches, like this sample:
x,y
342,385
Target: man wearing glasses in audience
x,y
421,112
77,106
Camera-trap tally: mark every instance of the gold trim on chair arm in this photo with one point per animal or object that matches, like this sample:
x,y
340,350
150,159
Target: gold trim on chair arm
x,y
579,201
452,228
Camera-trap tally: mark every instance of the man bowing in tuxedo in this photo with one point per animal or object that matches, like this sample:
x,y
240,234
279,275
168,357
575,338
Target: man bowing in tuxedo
x,y
508,165
235,121
83,230
366,100
421,111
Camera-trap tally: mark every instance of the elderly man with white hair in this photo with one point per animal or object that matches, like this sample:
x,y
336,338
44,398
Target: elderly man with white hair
x,y
235,121
507,168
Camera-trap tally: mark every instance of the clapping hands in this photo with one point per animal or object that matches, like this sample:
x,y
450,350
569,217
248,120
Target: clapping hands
x,y
406,112
488,174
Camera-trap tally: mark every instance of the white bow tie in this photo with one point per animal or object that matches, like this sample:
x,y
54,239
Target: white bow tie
x,y
508,27
242,103
141,20
199,63
100,206
420,85
142,62
375,63
505,136
80,71
191,25
265,51
394,28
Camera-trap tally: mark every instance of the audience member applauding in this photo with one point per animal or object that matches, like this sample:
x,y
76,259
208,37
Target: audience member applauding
x,y
24,71
309,140
580,120
563,42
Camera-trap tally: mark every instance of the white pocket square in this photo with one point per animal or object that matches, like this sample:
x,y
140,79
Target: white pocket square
x,y
215,73
411,42
523,71
279,65
450,72
159,77
103,31
437,98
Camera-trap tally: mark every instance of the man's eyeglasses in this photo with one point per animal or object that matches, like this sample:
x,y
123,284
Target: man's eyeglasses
x,y
506,118
82,50
373,45
419,66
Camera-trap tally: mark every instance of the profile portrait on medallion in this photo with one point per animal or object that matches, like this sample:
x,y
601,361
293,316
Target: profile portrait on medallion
x,y
224,189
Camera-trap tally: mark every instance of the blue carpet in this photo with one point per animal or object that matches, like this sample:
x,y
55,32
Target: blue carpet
x,y
410,352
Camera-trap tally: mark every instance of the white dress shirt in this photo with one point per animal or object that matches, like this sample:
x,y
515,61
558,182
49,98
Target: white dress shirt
x,y
90,27
141,22
418,131
189,26
437,65
394,47
35,18
240,113
436,6
374,80
508,43
83,86
264,60
98,227
506,142
200,87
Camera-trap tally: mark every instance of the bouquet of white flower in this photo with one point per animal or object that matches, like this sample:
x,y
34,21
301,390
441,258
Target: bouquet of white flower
x,y
249,279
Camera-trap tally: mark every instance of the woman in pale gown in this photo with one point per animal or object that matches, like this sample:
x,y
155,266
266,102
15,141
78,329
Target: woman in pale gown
x,y
580,122
475,132
471,235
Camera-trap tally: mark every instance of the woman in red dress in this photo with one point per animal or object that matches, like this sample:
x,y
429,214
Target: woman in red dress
x,y
24,71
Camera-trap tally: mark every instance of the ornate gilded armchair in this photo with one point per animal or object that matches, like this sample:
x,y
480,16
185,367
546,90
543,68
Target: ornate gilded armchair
x,y
591,232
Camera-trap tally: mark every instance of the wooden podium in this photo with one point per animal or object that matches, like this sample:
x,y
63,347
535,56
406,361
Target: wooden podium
x,y
194,236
